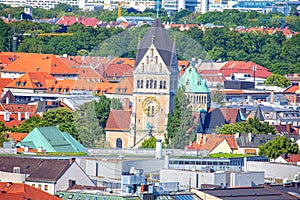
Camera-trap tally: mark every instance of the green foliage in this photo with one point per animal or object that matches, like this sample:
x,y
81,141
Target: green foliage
x,y
280,145
28,125
277,80
149,143
115,104
250,126
180,130
90,133
227,155
102,110
218,97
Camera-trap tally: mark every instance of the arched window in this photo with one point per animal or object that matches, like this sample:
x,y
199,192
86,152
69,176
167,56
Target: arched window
x,y
160,85
156,60
143,67
160,67
119,143
155,83
138,84
152,52
147,84
147,59
165,84
151,83
142,84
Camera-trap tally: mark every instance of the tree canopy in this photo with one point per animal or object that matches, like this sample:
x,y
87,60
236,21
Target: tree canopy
x,y
280,145
249,126
277,80
180,125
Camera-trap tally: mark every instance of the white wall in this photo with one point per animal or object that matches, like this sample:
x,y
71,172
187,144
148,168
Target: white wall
x,y
12,177
73,173
246,179
51,186
274,170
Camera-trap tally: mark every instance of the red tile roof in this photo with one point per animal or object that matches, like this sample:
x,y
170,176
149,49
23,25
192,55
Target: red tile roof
x,y
15,108
211,141
118,120
115,70
33,62
31,80
17,137
292,89
3,83
89,74
244,67
21,191
125,86
291,158
70,20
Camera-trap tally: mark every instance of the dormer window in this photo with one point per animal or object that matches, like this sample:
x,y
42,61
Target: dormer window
x,y
38,84
37,69
17,83
57,90
23,83
124,90
117,90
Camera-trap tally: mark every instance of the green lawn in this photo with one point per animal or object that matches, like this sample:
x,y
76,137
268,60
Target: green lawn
x,y
227,155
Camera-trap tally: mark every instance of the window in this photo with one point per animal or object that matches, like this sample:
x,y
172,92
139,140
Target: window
x,y
138,84
165,84
151,83
142,84
46,187
160,85
160,67
119,143
70,196
147,84
147,59
156,60
23,84
17,83
39,186
79,197
33,185
152,52
57,90
143,67
155,83
124,90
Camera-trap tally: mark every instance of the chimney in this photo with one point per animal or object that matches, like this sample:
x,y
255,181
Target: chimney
x,y
204,138
272,97
237,135
288,127
158,150
19,116
26,115
7,116
72,160
126,104
250,137
8,184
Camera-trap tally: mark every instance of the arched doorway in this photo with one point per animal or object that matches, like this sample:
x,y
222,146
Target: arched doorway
x,y
119,143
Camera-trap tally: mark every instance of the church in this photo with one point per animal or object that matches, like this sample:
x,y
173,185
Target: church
x,y
155,81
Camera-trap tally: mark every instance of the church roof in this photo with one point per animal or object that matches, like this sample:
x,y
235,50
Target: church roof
x,y
159,36
193,82
258,114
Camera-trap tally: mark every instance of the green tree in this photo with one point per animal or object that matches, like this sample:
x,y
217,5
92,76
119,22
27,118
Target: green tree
x,y
250,126
90,133
277,80
62,118
218,97
28,125
280,145
180,125
149,143
115,104
102,110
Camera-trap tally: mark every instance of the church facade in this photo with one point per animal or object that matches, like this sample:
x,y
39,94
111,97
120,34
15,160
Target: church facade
x,y
155,81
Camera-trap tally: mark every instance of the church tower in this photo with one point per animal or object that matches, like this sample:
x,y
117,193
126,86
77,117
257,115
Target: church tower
x,y
155,81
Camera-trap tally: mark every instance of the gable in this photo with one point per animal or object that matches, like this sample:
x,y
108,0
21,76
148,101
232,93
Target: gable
x,y
223,147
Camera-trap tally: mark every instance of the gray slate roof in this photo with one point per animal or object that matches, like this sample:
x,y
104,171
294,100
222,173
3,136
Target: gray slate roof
x,y
163,43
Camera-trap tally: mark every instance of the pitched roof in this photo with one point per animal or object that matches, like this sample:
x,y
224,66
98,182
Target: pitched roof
x,y
159,37
193,82
125,86
292,89
52,140
211,141
33,62
115,70
258,114
118,120
15,108
89,74
37,168
17,137
70,20
291,158
18,191
244,67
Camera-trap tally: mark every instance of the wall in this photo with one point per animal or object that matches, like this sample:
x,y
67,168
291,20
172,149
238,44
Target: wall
x,y
223,147
246,179
274,170
12,177
43,186
74,172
